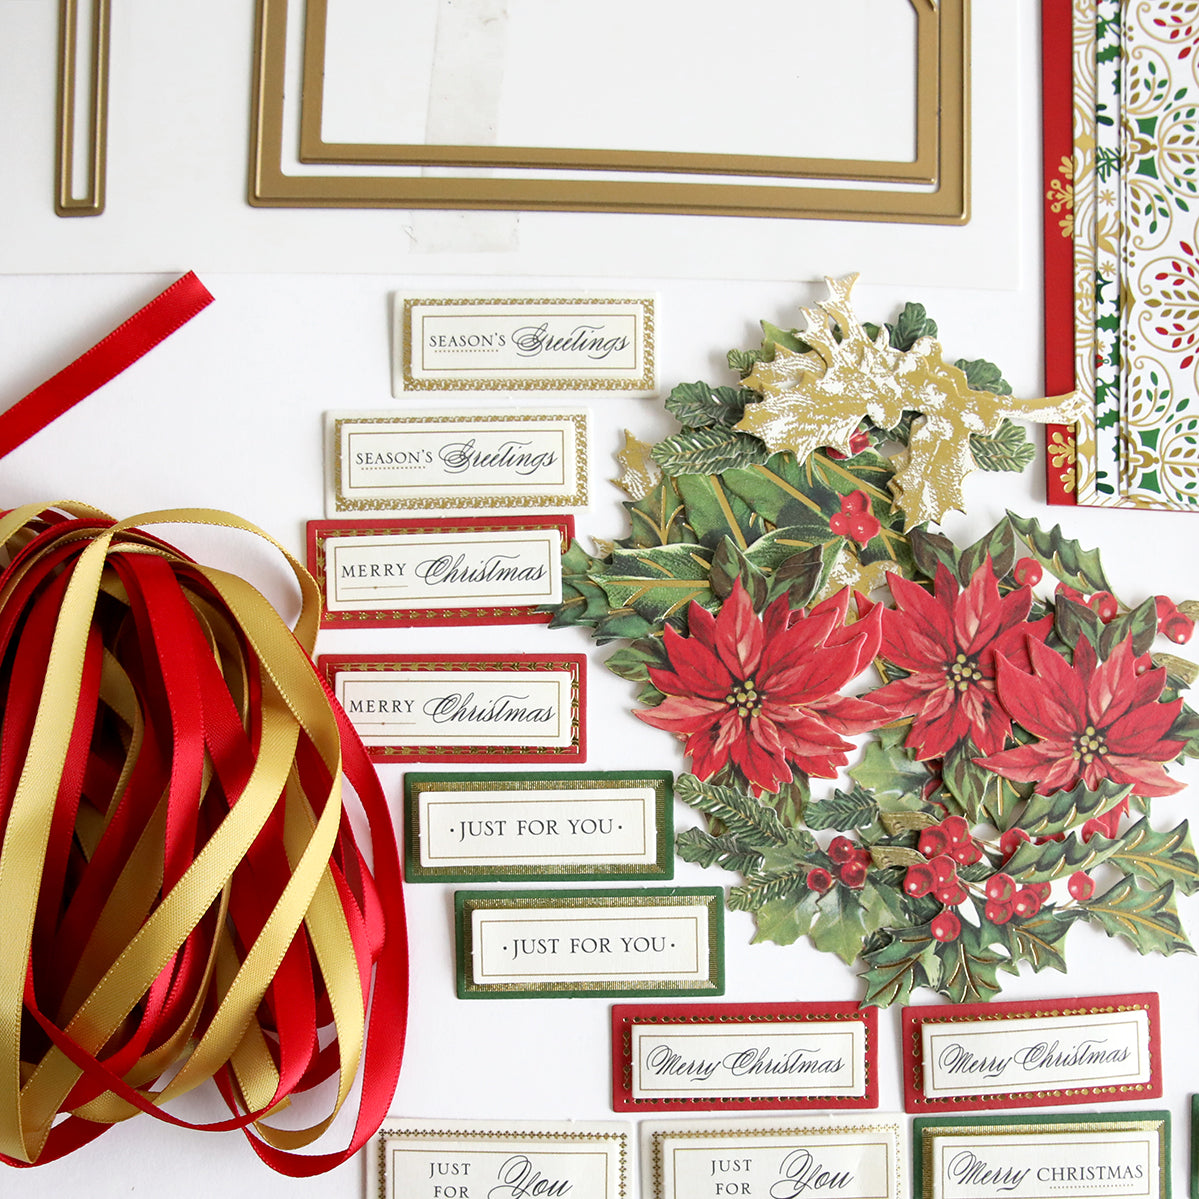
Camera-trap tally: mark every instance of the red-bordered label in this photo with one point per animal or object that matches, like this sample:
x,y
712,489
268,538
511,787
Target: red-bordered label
x,y
451,571
749,1056
974,1057
464,707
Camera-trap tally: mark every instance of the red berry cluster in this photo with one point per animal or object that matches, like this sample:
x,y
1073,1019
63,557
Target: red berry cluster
x,y
1171,623
1005,899
855,518
946,846
852,862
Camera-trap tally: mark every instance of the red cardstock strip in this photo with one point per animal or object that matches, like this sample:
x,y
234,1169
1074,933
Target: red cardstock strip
x,y
730,1015
1057,92
319,531
914,1018
331,665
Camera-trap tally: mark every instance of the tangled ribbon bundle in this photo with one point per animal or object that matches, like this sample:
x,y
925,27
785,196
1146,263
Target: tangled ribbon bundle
x,y
183,895
181,888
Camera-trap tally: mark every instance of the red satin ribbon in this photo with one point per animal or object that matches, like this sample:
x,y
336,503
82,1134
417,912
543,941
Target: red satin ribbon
x,y
190,720
104,361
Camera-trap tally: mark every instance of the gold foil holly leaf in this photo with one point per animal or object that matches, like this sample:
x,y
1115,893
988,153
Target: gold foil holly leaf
x,y
639,472
819,399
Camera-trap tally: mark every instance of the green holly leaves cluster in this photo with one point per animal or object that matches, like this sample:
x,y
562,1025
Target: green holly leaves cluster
x,y
712,506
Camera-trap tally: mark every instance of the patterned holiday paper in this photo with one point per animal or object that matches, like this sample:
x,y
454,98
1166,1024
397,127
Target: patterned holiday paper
x,y
1114,228
1107,248
1160,178
1085,15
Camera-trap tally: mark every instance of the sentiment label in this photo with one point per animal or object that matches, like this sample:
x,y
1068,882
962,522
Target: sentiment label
x,y
461,707
758,1055
438,572
450,1159
395,462
1122,1156
1102,1048
489,344
797,1158
539,943
612,825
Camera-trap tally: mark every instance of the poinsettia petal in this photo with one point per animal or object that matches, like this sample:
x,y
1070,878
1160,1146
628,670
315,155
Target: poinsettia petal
x,y
976,611
820,674
1012,643
1050,702
1140,733
918,632
988,720
696,672
760,756
739,637
682,714
907,696
1027,763
1146,778
848,715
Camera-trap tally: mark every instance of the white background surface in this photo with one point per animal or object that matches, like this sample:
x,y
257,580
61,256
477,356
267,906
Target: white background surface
x,y
227,413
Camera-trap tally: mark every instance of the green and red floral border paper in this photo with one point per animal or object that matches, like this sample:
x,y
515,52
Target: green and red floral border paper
x,y
1022,729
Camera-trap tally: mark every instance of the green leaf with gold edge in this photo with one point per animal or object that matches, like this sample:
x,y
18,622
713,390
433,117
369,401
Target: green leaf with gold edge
x,y
1073,621
1061,555
728,565
698,406
801,576
790,801
908,960
778,491
1186,729
999,545
1140,624
583,600
978,791
1047,815
1057,859
784,921
839,926
1037,941
714,513
708,451
623,624
969,967
1007,449
726,851
660,581
1148,919
890,774
1158,858
930,550
658,518
742,815
633,661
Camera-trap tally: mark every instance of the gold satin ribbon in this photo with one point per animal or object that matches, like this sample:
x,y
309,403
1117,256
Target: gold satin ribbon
x,y
139,930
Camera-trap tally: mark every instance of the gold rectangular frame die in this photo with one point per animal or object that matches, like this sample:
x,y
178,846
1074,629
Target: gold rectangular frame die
x,y
933,188
91,202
